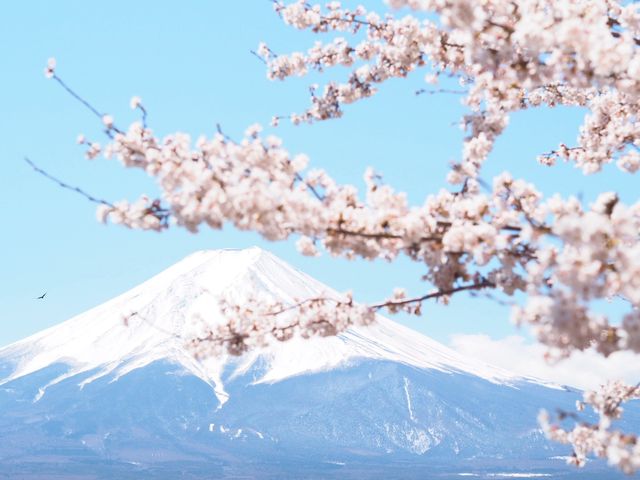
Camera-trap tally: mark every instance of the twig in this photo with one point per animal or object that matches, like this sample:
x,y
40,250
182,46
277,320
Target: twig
x,y
150,323
393,236
65,185
144,116
258,57
440,90
377,235
310,187
90,107
71,92
482,284
224,135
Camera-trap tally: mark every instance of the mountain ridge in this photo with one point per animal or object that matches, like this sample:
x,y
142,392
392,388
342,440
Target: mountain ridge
x,y
164,303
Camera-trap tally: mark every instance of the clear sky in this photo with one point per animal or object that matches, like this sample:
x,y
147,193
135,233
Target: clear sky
x,y
190,63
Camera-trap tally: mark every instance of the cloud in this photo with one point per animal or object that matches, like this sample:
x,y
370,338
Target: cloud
x,y
585,370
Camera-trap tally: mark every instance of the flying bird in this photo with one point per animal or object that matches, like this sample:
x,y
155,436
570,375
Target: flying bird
x,y
41,297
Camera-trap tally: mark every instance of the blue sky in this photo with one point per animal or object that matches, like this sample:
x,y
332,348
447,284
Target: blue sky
x,y
192,67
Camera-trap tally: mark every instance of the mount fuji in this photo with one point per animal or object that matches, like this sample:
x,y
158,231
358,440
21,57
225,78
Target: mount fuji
x,y
97,397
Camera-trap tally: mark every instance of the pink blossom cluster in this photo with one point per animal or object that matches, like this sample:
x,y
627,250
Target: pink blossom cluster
x,y
510,55
254,323
598,258
601,439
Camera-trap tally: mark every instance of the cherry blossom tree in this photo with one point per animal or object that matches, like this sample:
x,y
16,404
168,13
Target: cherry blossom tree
x,y
502,237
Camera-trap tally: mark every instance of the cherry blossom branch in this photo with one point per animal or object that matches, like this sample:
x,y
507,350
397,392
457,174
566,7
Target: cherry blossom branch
x,y
477,228
349,18
251,324
106,119
391,236
600,439
151,213
394,304
377,235
254,323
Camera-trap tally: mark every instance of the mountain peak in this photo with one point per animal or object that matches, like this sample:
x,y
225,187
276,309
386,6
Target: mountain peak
x,y
226,261
251,254
159,315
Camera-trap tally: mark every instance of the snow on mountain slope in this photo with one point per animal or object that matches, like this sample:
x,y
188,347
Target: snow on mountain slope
x,y
99,341
95,398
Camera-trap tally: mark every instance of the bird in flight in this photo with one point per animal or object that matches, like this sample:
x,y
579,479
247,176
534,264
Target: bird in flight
x,y
41,297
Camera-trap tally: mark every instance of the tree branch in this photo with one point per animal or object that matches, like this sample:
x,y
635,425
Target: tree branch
x,y
482,284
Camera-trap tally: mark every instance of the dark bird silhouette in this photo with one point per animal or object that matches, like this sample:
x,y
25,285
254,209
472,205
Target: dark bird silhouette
x,y
41,297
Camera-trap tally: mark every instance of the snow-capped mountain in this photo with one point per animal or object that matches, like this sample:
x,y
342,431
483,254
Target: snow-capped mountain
x,y
97,395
